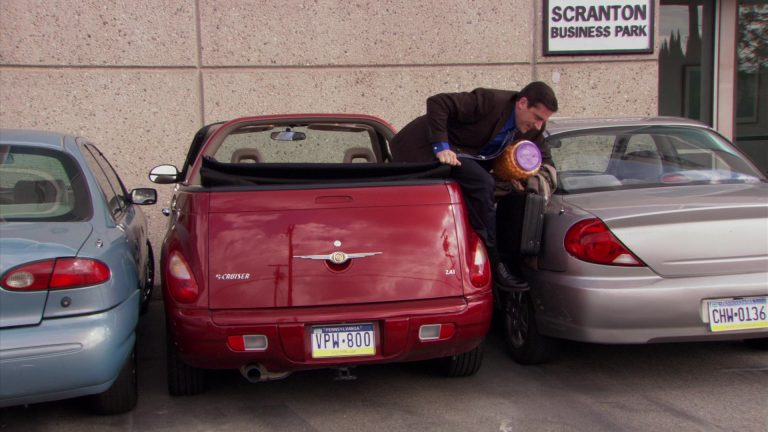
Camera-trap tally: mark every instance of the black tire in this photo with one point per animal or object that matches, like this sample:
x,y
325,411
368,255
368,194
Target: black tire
x,y
149,281
464,364
123,395
758,344
183,379
524,342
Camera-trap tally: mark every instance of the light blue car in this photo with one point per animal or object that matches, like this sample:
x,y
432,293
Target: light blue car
x,y
76,269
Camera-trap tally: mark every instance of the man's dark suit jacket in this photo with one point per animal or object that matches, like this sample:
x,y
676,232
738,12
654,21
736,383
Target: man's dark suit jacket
x,y
467,121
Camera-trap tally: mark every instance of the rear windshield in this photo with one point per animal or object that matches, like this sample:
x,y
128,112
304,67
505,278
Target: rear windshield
x,y
38,185
306,153
315,143
649,156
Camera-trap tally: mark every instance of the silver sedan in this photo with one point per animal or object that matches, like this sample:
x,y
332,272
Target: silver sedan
x,y
657,232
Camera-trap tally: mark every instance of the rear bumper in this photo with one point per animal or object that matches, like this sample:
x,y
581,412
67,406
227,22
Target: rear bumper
x,y
66,357
201,335
636,310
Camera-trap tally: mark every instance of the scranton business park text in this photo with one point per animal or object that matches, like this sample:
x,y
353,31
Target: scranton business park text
x,y
599,15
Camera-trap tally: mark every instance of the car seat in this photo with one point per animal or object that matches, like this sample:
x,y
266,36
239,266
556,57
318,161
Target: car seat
x,y
640,165
35,191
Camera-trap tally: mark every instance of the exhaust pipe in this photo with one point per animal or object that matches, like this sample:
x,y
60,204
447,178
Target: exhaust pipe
x,y
255,373
251,373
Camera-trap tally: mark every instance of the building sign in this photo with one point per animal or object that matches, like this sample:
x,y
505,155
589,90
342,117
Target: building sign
x,y
573,27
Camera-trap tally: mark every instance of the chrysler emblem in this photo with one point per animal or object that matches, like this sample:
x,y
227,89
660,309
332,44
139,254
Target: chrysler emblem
x,y
338,257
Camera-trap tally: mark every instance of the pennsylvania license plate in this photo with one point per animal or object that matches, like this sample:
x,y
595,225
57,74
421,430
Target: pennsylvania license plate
x,y
737,314
343,340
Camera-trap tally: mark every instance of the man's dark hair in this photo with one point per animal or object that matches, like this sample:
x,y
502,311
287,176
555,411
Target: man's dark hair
x,y
538,92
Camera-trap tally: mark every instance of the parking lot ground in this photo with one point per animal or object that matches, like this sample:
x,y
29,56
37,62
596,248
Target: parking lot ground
x,y
676,387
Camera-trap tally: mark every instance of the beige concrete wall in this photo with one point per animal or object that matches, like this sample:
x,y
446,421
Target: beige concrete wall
x,y
139,78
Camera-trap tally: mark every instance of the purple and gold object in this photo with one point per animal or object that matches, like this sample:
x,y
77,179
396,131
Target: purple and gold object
x,y
519,161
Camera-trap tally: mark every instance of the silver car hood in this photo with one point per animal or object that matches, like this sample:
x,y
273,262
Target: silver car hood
x,y
688,230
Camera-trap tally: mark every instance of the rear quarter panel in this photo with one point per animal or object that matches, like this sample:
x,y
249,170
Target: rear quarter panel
x,y
188,234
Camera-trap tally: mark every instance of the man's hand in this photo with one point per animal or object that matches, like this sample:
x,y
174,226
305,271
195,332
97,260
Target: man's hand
x,y
448,157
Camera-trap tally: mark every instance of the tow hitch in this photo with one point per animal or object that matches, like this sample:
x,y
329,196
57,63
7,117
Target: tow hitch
x,y
344,374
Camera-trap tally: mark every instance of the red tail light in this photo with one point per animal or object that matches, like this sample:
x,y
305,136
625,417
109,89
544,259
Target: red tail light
x,y
479,265
78,272
181,282
590,240
55,274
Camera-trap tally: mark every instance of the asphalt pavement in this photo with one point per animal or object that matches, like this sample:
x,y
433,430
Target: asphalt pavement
x,y
665,387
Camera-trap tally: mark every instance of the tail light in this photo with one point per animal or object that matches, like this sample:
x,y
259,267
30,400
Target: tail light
x,y
590,240
56,274
479,265
181,283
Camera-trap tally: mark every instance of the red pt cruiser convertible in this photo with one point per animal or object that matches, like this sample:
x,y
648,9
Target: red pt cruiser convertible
x,y
294,243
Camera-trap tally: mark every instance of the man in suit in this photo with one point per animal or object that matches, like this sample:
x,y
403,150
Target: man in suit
x,y
467,131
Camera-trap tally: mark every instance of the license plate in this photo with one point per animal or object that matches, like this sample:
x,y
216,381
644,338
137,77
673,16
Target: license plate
x,y
343,340
737,314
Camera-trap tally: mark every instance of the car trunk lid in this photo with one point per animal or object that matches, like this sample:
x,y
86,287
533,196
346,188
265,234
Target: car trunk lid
x,y
24,242
332,246
688,230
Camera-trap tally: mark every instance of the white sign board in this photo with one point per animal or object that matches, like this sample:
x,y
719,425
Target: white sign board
x,y
573,27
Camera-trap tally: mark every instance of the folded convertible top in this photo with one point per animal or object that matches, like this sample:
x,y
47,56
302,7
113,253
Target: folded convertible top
x,y
214,173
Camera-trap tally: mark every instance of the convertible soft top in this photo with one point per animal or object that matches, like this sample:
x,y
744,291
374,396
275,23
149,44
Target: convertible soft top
x,y
214,173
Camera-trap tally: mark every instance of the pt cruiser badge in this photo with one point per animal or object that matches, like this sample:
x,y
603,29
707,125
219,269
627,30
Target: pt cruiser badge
x,y
338,257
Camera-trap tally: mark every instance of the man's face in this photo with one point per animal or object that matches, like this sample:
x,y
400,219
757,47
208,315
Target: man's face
x,y
530,118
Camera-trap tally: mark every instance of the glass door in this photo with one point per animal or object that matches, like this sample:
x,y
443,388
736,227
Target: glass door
x,y
751,110
686,59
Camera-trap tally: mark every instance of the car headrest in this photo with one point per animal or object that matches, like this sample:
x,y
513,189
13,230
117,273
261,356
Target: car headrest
x,y
359,153
245,155
35,191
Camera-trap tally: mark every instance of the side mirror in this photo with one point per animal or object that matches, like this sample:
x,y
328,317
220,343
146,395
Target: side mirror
x,y
143,196
164,174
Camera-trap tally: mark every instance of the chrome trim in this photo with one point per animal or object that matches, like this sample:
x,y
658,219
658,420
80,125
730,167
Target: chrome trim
x,y
338,257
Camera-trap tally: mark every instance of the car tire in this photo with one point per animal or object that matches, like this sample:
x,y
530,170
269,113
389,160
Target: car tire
x,y
524,342
758,344
122,395
183,379
464,364
149,281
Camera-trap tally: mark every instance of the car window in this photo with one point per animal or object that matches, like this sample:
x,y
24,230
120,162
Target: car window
x,y
640,143
650,156
38,184
114,179
109,183
316,143
584,152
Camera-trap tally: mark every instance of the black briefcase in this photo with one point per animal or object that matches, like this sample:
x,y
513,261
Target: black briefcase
x,y
519,225
533,224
